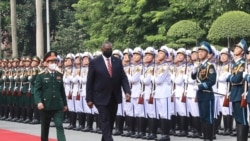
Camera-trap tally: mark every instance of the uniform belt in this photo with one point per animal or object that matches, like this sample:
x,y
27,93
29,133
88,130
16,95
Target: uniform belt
x,y
236,84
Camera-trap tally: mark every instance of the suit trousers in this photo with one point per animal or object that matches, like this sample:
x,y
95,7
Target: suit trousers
x,y
107,115
46,116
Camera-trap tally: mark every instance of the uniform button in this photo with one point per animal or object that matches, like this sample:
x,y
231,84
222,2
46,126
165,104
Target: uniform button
x,y
54,96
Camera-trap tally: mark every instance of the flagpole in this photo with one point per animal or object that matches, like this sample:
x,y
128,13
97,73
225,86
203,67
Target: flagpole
x,y
47,22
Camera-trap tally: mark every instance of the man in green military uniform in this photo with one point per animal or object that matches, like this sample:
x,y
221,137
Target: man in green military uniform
x,y
50,97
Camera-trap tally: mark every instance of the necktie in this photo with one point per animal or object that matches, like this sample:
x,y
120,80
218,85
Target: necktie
x,y
109,67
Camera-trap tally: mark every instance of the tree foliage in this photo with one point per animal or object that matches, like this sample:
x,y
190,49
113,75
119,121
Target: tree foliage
x,y
232,24
184,33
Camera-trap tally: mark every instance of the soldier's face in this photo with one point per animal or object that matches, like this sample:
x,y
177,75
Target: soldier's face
x,y
27,63
34,64
77,61
238,51
180,57
223,57
136,58
194,56
161,56
148,58
85,61
202,54
126,58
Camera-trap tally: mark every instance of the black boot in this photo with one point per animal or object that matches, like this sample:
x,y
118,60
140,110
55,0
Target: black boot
x,y
208,132
11,113
72,123
141,128
119,125
131,127
66,117
29,115
23,115
183,126
173,126
6,112
90,120
98,124
242,132
36,119
152,129
81,120
165,130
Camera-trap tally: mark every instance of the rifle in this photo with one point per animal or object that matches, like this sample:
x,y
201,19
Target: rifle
x,y
141,97
151,96
78,97
184,97
226,97
243,102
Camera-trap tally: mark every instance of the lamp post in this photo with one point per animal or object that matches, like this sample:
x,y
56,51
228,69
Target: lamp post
x,y
47,23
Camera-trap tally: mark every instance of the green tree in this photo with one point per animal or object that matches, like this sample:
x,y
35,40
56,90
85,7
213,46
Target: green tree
x,y
231,25
184,33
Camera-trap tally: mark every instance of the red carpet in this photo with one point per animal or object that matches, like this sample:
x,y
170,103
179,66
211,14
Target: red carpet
x,y
6,135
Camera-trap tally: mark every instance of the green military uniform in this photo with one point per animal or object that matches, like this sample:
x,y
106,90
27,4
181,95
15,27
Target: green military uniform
x,y
49,91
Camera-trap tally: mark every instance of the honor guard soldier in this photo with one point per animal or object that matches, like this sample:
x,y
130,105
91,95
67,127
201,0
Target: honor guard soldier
x,y
8,88
50,97
1,87
120,115
5,112
13,110
67,77
192,105
26,90
162,96
134,78
237,90
178,79
11,98
148,93
79,108
205,75
89,112
224,87
128,106
35,70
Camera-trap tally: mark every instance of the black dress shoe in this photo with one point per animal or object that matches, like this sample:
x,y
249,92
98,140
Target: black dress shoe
x,y
117,133
151,137
35,121
27,121
87,129
78,128
163,138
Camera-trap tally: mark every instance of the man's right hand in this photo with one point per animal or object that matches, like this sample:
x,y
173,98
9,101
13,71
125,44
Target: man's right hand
x,y
90,104
40,106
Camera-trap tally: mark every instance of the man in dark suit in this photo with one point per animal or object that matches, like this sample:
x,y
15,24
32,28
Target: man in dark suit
x,y
104,81
50,97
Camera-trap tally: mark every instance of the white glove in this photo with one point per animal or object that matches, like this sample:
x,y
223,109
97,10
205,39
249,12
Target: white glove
x,y
185,77
141,77
196,88
172,77
194,69
244,74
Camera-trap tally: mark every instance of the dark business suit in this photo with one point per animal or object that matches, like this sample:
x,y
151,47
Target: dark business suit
x,y
105,91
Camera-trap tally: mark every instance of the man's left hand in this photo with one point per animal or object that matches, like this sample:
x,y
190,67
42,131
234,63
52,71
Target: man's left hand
x,y
127,97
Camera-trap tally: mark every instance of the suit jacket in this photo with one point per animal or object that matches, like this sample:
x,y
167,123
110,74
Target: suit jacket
x,y
100,86
50,90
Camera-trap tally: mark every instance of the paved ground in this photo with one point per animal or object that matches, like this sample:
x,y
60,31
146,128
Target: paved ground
x,y
83,136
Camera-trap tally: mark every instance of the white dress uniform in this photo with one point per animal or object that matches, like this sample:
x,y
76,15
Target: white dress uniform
x,y
192,105
68,87
224,88
178,79
134,79
76,81
148,90
163,91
